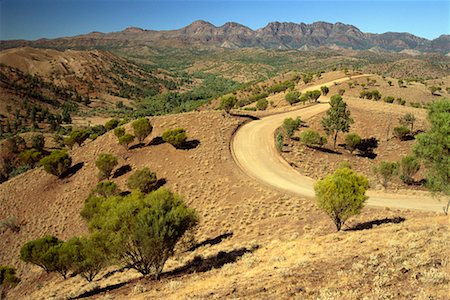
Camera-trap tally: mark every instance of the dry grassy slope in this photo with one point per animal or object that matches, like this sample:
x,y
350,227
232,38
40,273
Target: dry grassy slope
x,y
206,176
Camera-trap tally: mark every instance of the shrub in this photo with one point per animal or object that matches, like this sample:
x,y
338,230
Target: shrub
x,y
227,103
38,142
106,189
143,180
106,164
352,140
313,95
408,120
79,136
385,171
39,252
69,142
312,138
126,140
142,128
341,92
119,132
401,132
96,130
111,124
8,279
56,163
143,230
341,195
30,157
389,99
279,141
292,97
409,166
176,137
88,255
10,223
262,104
290,125
325,90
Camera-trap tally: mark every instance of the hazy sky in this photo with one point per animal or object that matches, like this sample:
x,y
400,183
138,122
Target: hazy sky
x,y
33,19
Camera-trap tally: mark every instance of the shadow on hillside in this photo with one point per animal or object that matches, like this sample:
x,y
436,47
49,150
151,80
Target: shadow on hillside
x,y
370,155
188,145
196,265
254,118
137,146
72,170
200,264
326,150
156,141
371,224
213,241
160,183
122,171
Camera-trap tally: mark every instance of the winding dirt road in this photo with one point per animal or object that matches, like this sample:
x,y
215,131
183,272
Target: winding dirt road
x,y
254,151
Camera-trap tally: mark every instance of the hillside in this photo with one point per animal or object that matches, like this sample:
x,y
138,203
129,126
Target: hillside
x,y
275,35
287,235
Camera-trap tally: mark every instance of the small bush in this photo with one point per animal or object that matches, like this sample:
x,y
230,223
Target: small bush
x,y
352,140
30,157
56,163
389,99
262,104
409,166
79,136
126,140
279,141
143,180
8,279
119,132
227,103
38,142
312,138
176,137
293,97
401,132
10,223
106,164
385,171
290,125
111,124
325,90
106,189
142,128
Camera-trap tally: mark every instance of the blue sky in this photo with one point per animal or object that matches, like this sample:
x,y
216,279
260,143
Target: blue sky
x,y
33,19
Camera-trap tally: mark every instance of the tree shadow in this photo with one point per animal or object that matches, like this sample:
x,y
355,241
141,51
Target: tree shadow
x,y
370,155
254,118
72,170
137,146
326,150
200,264
122,171
156,141
213,241
371,224
99,290
188,145
159,183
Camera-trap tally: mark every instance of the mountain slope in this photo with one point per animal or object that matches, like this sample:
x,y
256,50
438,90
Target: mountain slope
x,y
275,35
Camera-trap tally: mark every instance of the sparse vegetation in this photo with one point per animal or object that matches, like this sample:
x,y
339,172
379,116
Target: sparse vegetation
x,y
126,140
142,128
401,132
341,195
311,138
56,163
290,125
105,164
227,103
409,166
385,171
176,137
143,180
293,97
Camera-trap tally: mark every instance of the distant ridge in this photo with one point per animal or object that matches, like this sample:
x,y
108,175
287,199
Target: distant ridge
x,y
275,35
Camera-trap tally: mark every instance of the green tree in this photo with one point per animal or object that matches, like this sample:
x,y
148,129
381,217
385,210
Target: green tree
x,y
279,141
37,252
352,140
227,103
409,166
79,136
144,229
290,125
143,180
385,171
432,147
106,189
56,163
176,137
38,142
292,97
341,195
69,142
313,96
312,138
30,157
408,120
325,90
126,139
106,164
119,132
142,128
111,124
337,118
262,104
8,279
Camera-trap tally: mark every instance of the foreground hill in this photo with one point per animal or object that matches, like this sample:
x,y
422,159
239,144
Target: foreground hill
x,y
290,247
275,35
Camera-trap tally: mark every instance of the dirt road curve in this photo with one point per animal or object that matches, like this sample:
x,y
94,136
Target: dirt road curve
x,y
254,151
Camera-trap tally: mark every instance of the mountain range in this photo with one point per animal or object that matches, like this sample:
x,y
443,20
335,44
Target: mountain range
x,y
275,35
